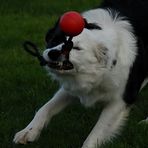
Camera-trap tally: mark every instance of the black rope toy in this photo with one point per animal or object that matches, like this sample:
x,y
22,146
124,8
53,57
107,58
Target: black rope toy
x,y
34,51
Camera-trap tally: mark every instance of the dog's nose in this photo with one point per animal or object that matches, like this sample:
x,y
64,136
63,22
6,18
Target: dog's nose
x,y
54,54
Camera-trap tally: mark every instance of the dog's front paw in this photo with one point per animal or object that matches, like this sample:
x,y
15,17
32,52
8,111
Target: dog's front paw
x,y
26,135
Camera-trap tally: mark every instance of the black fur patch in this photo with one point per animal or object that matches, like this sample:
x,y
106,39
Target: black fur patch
x,y
138,72
114,62
55,36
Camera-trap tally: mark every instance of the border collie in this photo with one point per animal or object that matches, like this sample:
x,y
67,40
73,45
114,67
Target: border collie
x,y
110,64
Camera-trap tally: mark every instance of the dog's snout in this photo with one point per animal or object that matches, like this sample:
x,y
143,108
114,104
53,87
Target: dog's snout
x,y
54,54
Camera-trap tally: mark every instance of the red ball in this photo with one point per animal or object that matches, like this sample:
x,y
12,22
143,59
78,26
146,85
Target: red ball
x,y
72,23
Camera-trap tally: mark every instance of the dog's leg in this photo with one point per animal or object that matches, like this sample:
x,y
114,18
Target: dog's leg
x,y
145,121
144,84
111,119
42,117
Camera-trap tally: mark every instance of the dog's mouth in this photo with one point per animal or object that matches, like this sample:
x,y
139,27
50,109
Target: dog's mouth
x,y
59,59
60,65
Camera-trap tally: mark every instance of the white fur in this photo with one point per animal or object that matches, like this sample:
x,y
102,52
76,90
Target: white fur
x,y
94,77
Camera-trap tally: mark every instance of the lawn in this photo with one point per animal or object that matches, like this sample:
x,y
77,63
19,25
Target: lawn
x,y
25,86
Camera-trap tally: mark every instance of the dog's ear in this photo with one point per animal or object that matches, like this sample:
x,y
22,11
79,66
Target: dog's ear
x,y
55,36
101,54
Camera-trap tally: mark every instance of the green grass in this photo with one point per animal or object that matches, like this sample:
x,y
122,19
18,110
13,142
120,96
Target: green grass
x,y
25,86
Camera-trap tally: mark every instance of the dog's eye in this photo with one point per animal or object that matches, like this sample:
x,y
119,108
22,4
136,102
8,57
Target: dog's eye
x,y
77,48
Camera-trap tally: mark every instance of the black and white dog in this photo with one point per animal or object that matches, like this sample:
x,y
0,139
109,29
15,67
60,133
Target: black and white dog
x,y
110,64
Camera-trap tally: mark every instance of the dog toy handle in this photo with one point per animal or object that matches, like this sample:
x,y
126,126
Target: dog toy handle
x,y
33,50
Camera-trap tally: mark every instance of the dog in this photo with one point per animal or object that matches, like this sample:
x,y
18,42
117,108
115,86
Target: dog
x,y
110,65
